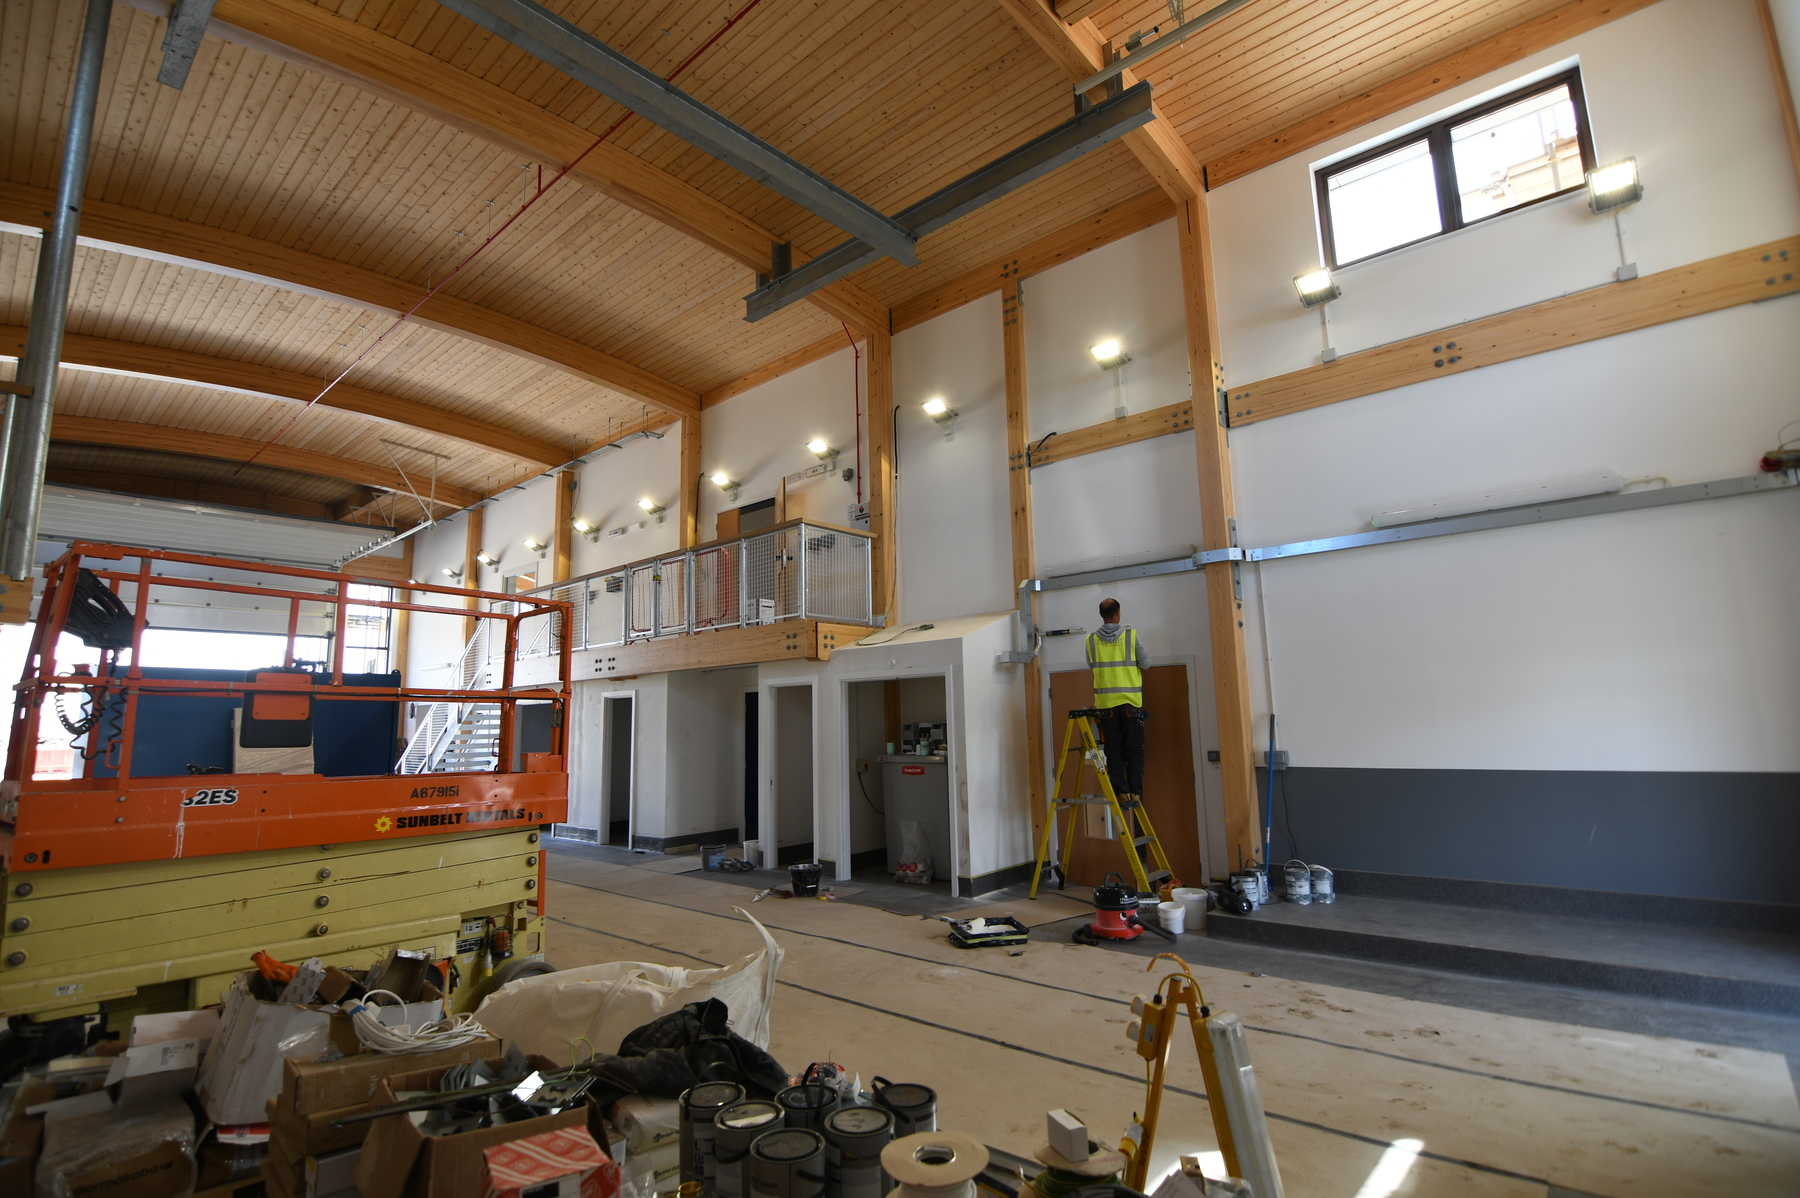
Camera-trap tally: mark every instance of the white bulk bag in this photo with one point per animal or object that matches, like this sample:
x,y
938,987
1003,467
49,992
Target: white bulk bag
x,y
553,1013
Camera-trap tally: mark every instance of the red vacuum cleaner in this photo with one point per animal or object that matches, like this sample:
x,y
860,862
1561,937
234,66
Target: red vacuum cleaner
x,y
1116,915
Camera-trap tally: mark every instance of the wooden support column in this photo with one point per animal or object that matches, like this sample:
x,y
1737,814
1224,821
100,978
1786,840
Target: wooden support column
x,y
1024,555
1784,98
562,539
471,568
688,502
884,576
1224,597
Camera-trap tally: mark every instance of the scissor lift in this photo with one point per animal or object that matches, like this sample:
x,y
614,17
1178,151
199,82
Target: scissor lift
x,y
126,893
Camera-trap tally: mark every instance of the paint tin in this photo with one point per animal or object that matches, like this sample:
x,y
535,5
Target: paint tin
x,y
734,1129
1298,877
711,855
789,1163
805,879
806,1105
1324,885
854,1138
914,1106
1244,881
699,1104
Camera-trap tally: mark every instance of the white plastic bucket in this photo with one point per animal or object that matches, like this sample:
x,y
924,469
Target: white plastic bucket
x,y
1193,901
1172,916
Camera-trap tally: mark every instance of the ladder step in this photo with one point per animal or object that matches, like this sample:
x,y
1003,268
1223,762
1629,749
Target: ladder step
x,y
1157,874
1141,841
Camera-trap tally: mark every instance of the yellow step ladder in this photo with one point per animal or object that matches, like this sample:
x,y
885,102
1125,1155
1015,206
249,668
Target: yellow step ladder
x,y
1130,820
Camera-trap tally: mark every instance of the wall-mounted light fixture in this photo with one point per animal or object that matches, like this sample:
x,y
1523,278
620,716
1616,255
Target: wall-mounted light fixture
x,y
1614,186
586,528
1110,354
535,546
941,413
726,483
453,574
822,449
652,508
487,559
1317,287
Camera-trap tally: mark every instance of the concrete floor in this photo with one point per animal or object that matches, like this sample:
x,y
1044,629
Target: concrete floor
x,y
1350,1056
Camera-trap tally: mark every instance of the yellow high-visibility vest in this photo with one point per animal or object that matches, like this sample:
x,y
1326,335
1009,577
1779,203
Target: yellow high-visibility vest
x,y
1117,679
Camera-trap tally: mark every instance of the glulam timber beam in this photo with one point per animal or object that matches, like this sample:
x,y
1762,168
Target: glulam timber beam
x,y
142,234
1078,50
1746,276
1350,109
224,374
1024,552
92,430
687,498
789,640
1784,92
884,575
1224,594
1110,434
315,39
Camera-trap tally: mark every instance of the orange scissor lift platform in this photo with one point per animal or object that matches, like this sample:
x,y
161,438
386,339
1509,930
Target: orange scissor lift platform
x,y
130,893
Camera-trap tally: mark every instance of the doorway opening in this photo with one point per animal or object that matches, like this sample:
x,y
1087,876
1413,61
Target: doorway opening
x,y
752,808
899,806
1171,796
792,773
615,779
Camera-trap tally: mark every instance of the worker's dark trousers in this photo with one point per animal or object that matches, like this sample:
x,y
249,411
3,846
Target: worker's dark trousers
x,y
1123,728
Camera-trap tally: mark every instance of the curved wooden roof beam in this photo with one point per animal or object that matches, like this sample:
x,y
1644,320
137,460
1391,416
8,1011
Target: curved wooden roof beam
x,y
92,430
144,234
310,37
224,374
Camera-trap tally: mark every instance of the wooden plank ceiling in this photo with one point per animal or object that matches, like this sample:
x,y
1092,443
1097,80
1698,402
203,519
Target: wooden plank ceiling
x,y
261,226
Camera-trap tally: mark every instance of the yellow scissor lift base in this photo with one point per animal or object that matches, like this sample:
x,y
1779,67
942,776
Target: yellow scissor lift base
x,y
172,935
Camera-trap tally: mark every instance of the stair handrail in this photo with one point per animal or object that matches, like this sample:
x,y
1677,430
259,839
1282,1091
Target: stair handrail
x,y
431,739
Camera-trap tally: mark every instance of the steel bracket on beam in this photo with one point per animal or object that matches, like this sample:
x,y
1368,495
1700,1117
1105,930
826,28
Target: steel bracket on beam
x,y
586,59
1104,122
1212,557
181,41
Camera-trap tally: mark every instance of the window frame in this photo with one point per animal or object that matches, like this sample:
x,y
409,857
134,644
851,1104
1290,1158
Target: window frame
x,y
1437,138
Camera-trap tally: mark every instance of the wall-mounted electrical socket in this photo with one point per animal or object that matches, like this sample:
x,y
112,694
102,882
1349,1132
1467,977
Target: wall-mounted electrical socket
x,y
1280,760
1212,756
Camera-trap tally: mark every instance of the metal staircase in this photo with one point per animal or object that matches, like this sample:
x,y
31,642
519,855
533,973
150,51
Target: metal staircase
x,y
459,735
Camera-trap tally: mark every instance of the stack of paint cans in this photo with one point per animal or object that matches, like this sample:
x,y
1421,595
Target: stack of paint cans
x,y
854,1138
735,1129
699,1106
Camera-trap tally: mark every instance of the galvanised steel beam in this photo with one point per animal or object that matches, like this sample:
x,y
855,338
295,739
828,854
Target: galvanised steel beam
x,y
1106,121
585,58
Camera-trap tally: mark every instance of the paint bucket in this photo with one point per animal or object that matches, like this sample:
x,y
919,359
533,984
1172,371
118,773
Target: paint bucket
x,y
1298,876
1244,881
753,853
1172,916
854,1138
789,1163
914,1106
734,1129
1193,900
711,855
805,879
698,1106
1324,885
807,1104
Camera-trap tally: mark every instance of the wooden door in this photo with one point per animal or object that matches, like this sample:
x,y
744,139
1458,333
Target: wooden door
x,y
1170,796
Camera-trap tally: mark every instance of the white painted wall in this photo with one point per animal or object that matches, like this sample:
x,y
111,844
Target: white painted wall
x,y
606,495
1623,642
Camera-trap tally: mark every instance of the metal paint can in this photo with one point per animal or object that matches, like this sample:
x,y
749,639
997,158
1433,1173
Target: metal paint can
x,y
1298,876
699,1105
1324,885
914,1106
734,1129
854,1138
806,1105
1245,882
789,1163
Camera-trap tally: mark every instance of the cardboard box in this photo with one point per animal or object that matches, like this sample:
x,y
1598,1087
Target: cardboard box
x,y
176,1025
228,1164
309,1086
243,1067
399,1159
287,1160
566,1163
145,1150
331,1174
20,1138
412,1014
152,1070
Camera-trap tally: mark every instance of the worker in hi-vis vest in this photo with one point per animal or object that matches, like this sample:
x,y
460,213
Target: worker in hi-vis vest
x,y
1116,656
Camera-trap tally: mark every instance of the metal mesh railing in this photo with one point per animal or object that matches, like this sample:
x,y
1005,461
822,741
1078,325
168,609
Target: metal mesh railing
x,y
794,572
